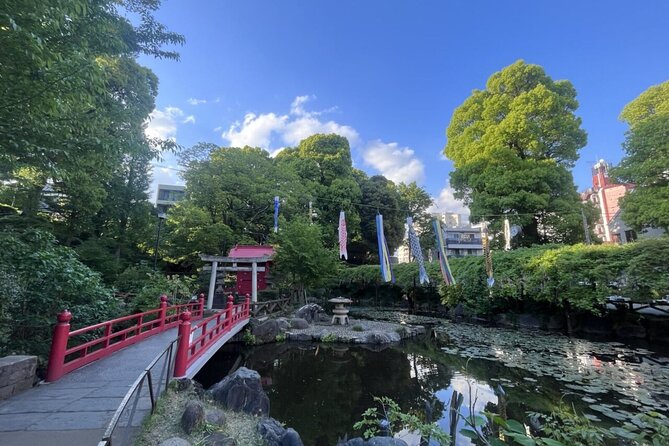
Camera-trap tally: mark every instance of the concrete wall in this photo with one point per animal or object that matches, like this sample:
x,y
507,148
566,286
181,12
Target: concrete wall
x,y
17,373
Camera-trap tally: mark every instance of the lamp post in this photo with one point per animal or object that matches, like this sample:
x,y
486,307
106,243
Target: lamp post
x,y
161,216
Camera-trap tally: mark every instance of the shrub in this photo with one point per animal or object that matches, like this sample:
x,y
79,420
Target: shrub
x,y
38,279
329,337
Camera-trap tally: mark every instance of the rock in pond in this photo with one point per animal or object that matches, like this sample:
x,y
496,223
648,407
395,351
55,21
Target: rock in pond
x,y
242,392
267,331
193,416
275,434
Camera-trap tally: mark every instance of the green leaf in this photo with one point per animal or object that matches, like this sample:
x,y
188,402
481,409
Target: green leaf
x,y
469,434
515,426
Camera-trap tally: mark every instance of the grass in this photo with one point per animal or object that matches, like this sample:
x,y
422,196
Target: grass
x,y
166,422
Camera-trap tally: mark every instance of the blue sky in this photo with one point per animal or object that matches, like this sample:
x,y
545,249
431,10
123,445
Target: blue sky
x,y
388,74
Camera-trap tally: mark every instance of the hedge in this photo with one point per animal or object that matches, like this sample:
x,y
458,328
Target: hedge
x,y
541,278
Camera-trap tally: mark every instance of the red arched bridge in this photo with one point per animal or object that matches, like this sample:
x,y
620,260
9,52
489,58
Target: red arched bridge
x,y
99,385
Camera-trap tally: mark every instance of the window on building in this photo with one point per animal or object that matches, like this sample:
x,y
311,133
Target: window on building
x,y
630,235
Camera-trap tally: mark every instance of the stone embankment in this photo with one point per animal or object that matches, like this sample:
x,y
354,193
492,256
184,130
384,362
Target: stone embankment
x,y
311,323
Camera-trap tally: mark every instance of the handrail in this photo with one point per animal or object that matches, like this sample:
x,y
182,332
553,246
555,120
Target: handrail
x,y
136,389
118,333
192,346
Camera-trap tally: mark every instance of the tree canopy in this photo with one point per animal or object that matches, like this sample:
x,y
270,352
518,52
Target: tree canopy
x,y
512,146
646,161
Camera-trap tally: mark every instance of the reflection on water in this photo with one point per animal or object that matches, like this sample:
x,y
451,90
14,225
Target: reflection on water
x,y
322,389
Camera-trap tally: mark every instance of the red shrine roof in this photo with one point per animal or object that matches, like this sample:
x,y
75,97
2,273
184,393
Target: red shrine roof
x,y
246,251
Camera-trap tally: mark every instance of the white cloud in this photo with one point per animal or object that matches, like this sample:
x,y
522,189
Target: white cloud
x,y
296,106
305,126
195,101
394,162
190,119
446,202
255,130
263,129
218,129
163,123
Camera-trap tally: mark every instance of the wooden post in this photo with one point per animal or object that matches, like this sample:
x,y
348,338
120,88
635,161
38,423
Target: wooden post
x,y
201,301
181,358
254,282
163,311
212,285
247,307
61,334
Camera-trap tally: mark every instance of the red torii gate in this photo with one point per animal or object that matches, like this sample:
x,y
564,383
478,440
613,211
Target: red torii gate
x,y
242,260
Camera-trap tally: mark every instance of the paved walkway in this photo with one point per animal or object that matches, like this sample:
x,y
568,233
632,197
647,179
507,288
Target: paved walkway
x,y
76,409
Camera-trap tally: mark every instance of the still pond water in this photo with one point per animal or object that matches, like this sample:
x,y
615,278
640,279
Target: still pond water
x,y
321,389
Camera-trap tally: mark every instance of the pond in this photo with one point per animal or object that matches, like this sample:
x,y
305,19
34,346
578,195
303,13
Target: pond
x,y
321,389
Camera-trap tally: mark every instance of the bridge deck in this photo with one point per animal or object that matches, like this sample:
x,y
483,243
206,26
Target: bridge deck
x,y
76,409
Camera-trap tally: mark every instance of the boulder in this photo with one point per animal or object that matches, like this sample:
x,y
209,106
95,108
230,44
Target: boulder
x,y
299,336
291,438
267,331
215,417
193,416
381,337
284,324
181,384
271,431
219,439
242,392
274,434
298,323
310,313
174,441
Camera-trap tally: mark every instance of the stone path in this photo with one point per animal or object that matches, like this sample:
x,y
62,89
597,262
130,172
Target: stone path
x,y
76,409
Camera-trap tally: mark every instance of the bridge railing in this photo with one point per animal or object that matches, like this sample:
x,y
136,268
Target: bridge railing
x,y
140,399
73,349
194,341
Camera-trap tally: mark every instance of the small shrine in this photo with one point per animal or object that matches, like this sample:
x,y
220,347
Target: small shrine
x,y
251,265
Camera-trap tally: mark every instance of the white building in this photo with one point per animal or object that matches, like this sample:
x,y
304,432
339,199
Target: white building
x,y
168,195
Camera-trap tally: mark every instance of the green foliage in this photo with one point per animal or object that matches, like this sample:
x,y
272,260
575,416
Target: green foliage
x,y
329,338
512,146
545,278
249,338
575,277
653,101
38,279
650,428
358,327
301,260
281,337
570,428
389,410
647,155
178,289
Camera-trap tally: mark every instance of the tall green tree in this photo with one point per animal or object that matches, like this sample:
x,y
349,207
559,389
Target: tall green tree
x,y
417,201
379,195
56,88
324,164
513,145
646,161
302,260
237,187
